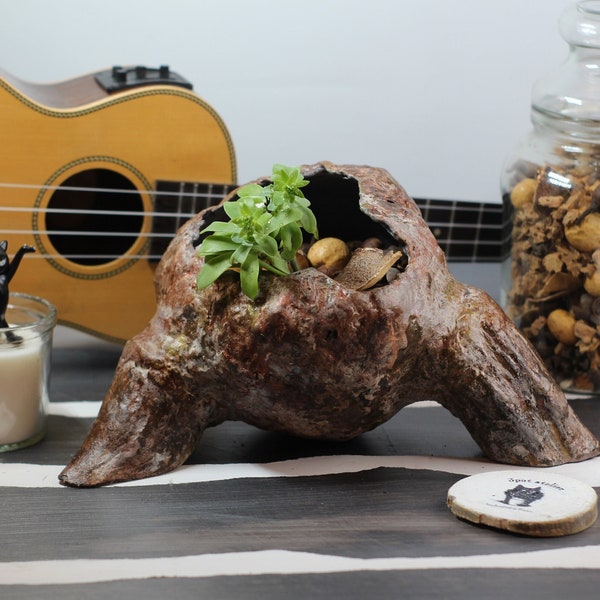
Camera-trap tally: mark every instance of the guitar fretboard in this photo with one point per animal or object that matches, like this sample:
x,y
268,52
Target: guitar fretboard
x,y
466,231
182,200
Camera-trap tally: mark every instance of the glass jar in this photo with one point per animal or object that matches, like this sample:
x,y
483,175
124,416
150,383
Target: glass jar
x,y
551,194
25,352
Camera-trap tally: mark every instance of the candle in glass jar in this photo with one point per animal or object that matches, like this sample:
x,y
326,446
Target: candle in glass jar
x,y
21,388
25,352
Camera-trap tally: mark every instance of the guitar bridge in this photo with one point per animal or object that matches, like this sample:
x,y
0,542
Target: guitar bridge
x,y
123,78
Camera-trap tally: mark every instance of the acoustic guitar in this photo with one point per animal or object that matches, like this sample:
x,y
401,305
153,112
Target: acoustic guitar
x,y
94,174
99,172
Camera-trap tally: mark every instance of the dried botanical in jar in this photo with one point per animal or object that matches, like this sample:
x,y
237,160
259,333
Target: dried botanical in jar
x,y
551,190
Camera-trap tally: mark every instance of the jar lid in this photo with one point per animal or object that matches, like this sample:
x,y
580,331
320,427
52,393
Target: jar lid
x,y
572,90
579,24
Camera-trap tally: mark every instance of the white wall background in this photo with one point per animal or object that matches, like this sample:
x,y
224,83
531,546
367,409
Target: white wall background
x,y
436,91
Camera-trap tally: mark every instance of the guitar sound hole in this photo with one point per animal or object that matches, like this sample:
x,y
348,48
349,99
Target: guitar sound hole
x,y
88,221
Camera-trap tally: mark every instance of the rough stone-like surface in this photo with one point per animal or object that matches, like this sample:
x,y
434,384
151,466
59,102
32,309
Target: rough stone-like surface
x,y
315,359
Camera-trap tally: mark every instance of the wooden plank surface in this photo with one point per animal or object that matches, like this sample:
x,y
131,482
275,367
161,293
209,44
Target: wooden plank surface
x,y
372,514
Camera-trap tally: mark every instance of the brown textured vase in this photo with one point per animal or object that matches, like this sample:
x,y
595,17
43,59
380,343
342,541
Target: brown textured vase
x,y
315,359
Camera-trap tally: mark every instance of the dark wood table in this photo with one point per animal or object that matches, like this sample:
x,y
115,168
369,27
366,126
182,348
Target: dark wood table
x,y
260,515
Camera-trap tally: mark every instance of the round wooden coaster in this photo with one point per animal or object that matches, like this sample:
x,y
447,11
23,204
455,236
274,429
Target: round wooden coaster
x,y
535,503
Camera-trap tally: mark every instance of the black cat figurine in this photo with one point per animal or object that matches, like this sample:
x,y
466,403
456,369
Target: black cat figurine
x,y
7,272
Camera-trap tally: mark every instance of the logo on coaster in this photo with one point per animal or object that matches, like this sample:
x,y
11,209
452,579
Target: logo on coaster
x,y
524,495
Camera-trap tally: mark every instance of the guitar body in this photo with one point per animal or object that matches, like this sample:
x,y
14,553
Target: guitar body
x,y
93,247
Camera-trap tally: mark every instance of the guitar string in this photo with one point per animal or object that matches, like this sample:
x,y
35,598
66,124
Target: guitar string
x,y
86,233
466,257
180,194
445,242
76,211
94,257
477,207
93,232
55,188
451,208
187,215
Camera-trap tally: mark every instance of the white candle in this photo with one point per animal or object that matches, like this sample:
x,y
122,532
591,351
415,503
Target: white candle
x,y
22,391
25,350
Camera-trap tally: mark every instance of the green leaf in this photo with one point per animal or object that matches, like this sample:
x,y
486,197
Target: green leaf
x,y
216,244
221,227
309,223
280,266
252,190
249,275
265,244
240,255
213,268
233,209
291,239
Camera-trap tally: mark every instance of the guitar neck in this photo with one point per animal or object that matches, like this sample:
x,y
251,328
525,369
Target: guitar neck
x,y
466,231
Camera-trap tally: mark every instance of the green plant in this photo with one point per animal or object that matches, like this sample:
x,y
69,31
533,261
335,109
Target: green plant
x,y
264,231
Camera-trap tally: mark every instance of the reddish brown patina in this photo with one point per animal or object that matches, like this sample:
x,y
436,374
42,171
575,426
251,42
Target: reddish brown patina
x,y
315,359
